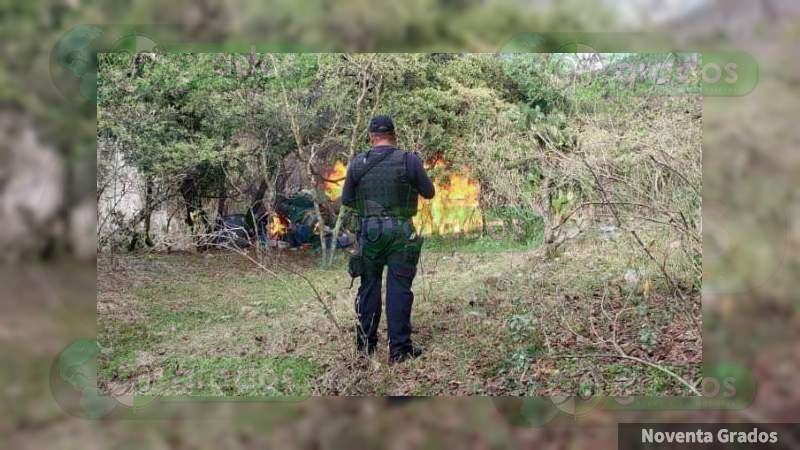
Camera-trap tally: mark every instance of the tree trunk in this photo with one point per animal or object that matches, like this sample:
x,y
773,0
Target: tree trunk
x,y
222,196
321,224
352,151
194,207
258,210
336,229
148,210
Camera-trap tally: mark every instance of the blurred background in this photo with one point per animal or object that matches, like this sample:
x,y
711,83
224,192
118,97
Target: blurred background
x,y
48,210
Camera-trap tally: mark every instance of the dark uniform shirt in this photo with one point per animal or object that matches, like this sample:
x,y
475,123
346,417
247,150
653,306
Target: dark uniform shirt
x,y
416,175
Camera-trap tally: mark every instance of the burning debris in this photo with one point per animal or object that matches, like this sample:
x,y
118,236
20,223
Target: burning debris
x,y
278,227
335,176
455,208
295,222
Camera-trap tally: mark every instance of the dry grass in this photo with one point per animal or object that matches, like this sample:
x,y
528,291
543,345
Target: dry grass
x,y
503,322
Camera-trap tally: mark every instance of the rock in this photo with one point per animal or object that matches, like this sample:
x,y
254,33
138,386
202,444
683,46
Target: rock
x,y
31,189
83,230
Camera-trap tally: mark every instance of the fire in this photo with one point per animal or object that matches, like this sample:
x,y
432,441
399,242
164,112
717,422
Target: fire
x,y
336,174
277,228
454,209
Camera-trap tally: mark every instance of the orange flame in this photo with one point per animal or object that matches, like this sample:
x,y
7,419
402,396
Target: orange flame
x,y
454,209
333,188
277,228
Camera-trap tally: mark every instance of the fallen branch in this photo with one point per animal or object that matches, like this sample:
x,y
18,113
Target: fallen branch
x,y
639,360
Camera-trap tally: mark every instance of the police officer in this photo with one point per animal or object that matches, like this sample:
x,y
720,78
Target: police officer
x,y
383,185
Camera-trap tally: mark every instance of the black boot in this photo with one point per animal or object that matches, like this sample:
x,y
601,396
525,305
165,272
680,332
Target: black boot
x,y
399,357
371,347
364,345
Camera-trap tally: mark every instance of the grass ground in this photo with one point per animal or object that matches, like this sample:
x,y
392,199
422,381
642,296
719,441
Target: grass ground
x,y
494,318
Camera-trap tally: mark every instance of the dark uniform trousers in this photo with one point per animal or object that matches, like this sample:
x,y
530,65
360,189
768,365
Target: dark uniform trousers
x,y
394,243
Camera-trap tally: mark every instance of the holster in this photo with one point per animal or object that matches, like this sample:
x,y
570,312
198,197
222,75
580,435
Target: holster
x,y
356,264
355,267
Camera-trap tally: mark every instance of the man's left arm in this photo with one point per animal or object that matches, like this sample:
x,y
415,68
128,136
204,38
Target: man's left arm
x,y
424,184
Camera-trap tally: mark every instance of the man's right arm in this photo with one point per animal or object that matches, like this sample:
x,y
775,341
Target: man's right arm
x,y
349,189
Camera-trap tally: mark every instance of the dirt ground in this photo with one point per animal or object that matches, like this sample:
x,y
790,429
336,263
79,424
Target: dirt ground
x,y
493,320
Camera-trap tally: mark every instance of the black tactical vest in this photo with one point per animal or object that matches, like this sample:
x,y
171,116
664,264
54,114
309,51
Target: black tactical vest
x,y
385,190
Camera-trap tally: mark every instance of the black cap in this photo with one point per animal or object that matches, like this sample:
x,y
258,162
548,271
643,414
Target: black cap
x,y
381,124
